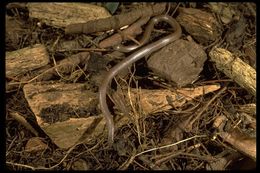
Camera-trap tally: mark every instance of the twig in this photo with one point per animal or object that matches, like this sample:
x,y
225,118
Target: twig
x,y
126,164
176,8
175,153
189,126
44,168
126,34
115,22
170,145
84,50
21,165
134,110
23,121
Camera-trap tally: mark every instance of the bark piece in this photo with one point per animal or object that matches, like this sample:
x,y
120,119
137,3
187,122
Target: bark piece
x,y
61,110
45,73
23,60
63,14
152,101
225,10
35,144
98,126
200,24
235,68
117,21
180,62
235,137
241,141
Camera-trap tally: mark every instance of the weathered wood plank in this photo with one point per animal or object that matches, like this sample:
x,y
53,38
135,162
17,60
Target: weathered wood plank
x,y
63,14
23,60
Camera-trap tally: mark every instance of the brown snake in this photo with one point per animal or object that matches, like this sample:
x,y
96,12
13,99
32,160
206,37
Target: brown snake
x,y
133,58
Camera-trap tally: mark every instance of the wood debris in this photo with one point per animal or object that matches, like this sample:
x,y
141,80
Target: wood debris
x,y
61,110
35,144
130,32
199,24
239,140
242,73
24,60
59,14
152,101
117,21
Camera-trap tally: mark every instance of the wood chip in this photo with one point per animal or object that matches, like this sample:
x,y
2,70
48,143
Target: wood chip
x,y
63,14
35,144
241,141
242,73
62,110
152,101
23,60
199,24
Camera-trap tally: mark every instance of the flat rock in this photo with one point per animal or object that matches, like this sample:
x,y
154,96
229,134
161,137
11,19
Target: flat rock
x,y
180,62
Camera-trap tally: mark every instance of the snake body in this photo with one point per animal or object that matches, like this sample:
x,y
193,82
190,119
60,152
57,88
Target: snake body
x,y
148,49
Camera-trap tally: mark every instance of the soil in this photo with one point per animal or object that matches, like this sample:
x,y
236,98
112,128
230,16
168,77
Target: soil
x,y
238,36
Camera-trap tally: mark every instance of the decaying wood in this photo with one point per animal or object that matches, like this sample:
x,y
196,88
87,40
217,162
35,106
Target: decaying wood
x,y
64,14
131,31
117,21
23,60
46,72
35,144
179,62
239,140
200,24
235,68
152,101
61,109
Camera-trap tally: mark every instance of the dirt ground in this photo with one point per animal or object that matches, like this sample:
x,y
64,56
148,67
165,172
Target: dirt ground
x,y
164,140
